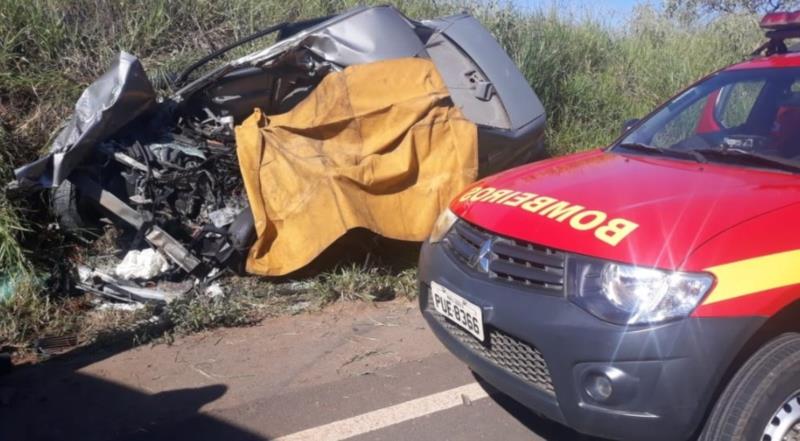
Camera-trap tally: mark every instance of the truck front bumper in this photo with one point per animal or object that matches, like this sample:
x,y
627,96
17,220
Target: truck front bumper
x,y
546,353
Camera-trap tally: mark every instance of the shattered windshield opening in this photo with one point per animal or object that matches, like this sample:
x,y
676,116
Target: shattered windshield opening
x,y
746,117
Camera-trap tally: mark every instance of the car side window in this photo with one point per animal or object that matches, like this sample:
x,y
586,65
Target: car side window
x,y
736,103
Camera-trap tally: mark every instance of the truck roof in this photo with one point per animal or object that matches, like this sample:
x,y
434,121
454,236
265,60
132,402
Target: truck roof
x,y
791,59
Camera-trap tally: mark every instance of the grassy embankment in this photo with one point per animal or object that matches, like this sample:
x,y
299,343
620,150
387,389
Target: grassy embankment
x,y
590,74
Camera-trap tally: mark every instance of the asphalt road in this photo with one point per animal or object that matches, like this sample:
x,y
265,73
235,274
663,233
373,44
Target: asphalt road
x,y
351,372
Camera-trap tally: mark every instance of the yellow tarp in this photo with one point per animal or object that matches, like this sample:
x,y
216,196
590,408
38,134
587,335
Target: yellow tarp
x,y
378,146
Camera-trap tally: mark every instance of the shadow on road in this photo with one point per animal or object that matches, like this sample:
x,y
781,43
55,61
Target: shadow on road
x,y
544,428
56,401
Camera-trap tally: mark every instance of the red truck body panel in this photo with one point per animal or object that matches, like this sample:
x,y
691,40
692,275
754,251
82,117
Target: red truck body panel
x,y
660,212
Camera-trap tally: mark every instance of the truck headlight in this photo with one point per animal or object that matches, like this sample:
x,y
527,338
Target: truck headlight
x,y
442,225
630,295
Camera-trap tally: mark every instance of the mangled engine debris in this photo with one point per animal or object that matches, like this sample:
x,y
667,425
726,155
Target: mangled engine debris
x,y
189,187
185,204
171,185
361,120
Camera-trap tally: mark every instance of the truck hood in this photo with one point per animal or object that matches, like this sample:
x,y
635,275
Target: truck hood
x,y
636,209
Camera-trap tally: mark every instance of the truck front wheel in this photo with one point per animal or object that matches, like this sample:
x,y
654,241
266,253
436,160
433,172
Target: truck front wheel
x,y
762,401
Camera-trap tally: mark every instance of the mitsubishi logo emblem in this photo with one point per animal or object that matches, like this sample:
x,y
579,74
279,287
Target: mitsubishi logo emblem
x,y
484,256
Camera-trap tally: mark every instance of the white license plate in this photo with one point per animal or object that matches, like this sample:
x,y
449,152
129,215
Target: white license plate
x,y
451,305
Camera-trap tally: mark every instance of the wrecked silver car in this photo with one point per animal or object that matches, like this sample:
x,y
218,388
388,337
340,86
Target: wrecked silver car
x,y
166,170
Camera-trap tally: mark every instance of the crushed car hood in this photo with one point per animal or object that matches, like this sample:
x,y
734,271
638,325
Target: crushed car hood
x,y
631,208
106,106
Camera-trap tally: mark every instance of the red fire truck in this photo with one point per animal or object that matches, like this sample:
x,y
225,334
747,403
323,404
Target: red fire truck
x,y
649,290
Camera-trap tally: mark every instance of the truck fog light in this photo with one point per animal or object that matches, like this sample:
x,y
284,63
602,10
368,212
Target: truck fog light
x,y
598,387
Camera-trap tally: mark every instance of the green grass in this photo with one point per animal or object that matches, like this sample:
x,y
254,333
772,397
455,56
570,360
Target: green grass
x,y
590,75
364,282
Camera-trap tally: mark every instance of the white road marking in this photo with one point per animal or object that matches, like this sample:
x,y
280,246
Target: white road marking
x,y
389,416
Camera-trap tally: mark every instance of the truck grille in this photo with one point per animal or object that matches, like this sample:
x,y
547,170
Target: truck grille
x,y
507,259
505,351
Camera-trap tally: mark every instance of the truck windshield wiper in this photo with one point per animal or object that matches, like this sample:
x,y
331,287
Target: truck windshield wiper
x,y
744,156
682,154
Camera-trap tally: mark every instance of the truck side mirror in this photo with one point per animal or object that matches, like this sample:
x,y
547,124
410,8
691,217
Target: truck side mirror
x,y
628,124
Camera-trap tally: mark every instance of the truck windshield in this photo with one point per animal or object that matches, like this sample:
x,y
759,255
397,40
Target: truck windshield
x,y
749,117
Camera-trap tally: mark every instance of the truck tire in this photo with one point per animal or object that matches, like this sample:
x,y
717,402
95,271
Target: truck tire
x,y
762,401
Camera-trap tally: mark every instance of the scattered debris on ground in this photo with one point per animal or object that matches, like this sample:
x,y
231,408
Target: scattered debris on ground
x,y
55,344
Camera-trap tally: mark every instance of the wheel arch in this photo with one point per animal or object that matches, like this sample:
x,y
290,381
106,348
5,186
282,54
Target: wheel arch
x,y
783,322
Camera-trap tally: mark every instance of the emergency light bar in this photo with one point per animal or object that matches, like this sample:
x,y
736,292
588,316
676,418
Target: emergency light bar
x,y
780,26
780,21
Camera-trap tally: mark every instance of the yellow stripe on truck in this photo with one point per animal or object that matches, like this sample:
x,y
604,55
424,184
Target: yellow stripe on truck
x,y
749,276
